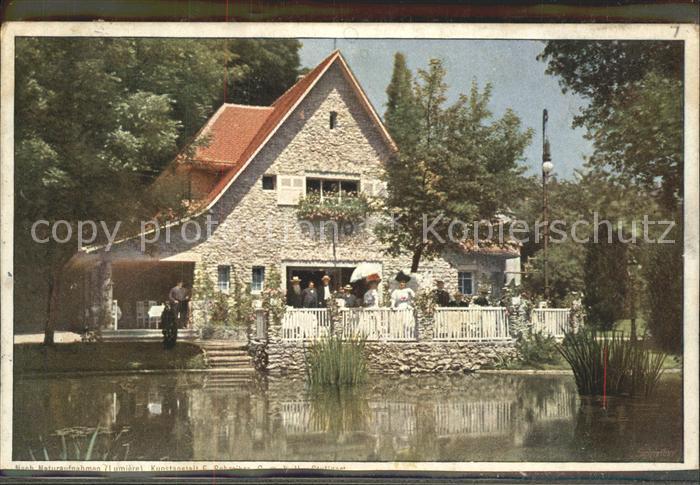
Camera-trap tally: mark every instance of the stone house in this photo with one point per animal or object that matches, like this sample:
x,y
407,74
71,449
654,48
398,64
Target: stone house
x,y
243,184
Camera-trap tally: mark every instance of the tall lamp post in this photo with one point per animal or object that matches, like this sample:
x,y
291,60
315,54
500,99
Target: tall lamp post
x,y
547,167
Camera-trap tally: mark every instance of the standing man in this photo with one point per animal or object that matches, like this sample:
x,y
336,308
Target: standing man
x,y
459,301
482,299
326,292
350,299
294,293
442,297
179,299
309,297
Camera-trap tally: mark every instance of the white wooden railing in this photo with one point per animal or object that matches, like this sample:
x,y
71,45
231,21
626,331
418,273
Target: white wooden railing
x,y
385,324
305,324
471,324
551,321
379,324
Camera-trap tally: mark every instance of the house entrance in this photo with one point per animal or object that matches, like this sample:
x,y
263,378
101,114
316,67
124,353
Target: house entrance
x,y
340,276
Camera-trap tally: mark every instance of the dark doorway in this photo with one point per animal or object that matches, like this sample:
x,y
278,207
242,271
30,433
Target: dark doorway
x,y
340,276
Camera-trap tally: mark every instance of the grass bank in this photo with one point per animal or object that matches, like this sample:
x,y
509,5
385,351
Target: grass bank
x,y
106,356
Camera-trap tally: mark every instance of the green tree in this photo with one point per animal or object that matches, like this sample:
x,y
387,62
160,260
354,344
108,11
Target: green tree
x,y
635,119
606,279
454,162
575,204
97,118
664,290
634,115
79,147
260,70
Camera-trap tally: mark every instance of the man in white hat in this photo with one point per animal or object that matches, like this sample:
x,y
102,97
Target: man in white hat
x,y
349,298
325,292
294,293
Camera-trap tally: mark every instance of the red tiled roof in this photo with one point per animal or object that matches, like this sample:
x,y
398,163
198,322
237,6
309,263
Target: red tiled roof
x,y
237,150
490,247
229,133
237,132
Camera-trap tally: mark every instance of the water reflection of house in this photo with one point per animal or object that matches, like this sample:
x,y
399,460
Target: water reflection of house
x,y
174,418
399,427
473,418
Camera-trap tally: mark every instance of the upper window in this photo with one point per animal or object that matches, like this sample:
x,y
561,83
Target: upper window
x,y
258,278
330,188
334,120
465,282
268,182
224,278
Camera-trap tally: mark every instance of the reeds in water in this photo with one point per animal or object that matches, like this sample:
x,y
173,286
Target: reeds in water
x,y
336,361
622,366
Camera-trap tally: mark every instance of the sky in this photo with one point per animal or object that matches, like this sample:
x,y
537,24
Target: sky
x,y
511,66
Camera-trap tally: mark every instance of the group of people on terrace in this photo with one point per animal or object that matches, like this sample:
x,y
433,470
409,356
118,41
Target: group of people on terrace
x,y
402,297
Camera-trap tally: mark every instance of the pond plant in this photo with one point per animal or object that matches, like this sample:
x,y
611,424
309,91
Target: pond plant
x,y
339,410
83,444
336,361
611,365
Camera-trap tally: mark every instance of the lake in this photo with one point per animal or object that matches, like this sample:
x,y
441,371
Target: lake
x,y
210,416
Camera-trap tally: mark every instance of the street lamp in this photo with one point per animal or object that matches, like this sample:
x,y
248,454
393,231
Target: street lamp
x,y
547,167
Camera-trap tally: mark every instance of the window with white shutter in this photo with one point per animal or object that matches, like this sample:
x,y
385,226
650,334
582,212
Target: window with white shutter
x,y
289,189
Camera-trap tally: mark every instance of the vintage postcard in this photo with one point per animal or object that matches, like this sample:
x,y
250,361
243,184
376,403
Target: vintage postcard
x,y
436,248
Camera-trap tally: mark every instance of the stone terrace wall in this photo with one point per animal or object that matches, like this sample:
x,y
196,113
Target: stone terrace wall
x,y
287,357
278,356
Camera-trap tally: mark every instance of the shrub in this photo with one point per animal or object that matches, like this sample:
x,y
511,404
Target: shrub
x,y
537,349
631,368
336,361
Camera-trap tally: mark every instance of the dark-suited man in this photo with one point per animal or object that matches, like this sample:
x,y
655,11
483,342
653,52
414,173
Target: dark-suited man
x,y
441,296
309,297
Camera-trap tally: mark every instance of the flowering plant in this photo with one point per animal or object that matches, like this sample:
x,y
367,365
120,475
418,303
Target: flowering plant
x,y
425,302
273,300
349,207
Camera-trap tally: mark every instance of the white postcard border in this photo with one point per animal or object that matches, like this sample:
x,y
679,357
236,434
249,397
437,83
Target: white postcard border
x,y
687,33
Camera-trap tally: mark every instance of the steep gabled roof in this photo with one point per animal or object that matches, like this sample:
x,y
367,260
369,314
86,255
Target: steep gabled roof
x,y
230,131
237,132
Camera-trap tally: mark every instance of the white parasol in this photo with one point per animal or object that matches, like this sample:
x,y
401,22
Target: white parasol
x,y
363,270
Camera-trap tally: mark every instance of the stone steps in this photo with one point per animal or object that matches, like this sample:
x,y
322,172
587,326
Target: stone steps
x,y
228,355
228,379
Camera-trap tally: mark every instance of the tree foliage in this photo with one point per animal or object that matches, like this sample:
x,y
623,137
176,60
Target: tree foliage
x,y
635,119
97,118
634,115
454,162
662,268
605,279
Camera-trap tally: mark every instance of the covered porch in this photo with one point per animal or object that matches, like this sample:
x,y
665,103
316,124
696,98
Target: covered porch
x,y
123,295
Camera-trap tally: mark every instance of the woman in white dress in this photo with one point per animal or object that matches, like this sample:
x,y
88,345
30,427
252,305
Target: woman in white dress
x,y
371,296
402,297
